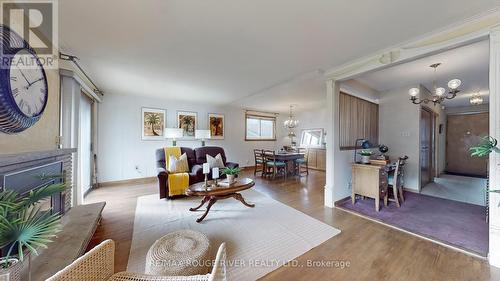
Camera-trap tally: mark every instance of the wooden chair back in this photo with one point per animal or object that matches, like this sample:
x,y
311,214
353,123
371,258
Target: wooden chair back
x,y
269,155
304,151
399,171
259,156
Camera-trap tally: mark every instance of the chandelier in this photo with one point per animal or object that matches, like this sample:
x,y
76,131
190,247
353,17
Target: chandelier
x,y
291,122
476,99
439,94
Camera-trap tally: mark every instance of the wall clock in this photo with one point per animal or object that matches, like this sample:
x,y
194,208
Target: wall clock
x,y
23,84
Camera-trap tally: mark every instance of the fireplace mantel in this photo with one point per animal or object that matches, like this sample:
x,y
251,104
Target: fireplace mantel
x,y
8,161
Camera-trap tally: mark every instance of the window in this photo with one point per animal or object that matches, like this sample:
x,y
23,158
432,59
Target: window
x,y
358,120
260,127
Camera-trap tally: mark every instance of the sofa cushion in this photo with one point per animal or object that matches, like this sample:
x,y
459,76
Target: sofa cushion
x,y
178,165
201,153
215,162
160,157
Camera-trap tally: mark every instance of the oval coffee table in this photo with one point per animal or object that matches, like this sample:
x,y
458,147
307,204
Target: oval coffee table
x,y
212,194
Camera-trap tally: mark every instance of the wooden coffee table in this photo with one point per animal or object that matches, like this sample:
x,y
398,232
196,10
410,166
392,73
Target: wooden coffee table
x,y
212,194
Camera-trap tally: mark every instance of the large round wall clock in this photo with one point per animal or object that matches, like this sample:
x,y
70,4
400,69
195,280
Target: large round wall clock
x,y
23,84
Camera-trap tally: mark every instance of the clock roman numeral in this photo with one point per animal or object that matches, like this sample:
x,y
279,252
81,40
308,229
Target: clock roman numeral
x,y
15,92
13,78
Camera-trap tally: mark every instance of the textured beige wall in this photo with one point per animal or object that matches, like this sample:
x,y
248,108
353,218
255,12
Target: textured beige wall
x,y
42,135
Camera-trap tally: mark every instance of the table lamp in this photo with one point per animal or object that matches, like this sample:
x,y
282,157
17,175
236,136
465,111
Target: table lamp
x,y
202,135
174,134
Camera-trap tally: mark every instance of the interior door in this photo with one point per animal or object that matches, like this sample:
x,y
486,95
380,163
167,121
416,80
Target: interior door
x,y
426,146
85,141
462,132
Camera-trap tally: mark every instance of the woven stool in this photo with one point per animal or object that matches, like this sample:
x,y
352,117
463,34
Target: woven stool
x,y
178,253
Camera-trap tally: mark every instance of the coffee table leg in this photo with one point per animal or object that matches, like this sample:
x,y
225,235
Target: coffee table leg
x,y
240,198
212,201
205,200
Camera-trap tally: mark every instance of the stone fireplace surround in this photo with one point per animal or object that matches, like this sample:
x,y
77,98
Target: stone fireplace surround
x,y
78,222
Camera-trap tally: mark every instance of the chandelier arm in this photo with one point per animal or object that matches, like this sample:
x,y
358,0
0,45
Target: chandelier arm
x,y
414,101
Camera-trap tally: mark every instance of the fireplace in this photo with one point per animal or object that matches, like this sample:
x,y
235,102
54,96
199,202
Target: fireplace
x,y
31,179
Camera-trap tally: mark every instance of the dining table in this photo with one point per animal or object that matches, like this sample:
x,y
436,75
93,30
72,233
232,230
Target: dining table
x,y
289,158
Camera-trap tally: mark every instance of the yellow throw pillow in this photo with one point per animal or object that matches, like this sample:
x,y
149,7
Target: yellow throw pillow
x,y
178,165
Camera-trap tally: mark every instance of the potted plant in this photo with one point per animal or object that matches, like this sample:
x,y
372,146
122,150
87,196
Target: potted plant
x,y
365,156
231,173
25,227
488,145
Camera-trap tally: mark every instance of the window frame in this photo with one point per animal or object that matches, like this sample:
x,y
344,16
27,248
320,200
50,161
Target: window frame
x,y
260,118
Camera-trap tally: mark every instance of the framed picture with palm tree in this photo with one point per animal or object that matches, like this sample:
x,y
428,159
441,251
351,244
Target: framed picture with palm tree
x,y
216,125
187,121
153,123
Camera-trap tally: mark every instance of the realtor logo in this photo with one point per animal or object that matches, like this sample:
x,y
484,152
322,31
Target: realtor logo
x,y
36,23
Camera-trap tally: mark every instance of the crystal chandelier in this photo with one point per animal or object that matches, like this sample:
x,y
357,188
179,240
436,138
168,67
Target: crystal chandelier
x,y
291,122
439,94
476,99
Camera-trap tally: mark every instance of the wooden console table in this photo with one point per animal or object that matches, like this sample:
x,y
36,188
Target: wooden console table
x,y
370,181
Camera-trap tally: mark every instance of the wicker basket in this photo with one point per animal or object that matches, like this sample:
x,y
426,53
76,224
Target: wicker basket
x,y
13,272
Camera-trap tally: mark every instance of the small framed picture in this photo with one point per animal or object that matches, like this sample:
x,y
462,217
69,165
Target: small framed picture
x,y
187,121
153,123
216,125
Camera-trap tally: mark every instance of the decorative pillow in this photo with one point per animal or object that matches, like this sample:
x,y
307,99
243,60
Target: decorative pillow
x,y
178,165
215,162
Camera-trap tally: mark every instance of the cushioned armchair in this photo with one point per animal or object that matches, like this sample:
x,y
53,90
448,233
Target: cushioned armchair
x,y
99,265
195,170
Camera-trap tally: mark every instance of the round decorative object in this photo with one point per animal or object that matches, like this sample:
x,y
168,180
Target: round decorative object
x,y
383,148
178,253
23,84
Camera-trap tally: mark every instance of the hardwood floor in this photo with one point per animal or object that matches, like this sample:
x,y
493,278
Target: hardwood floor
x,y
372,251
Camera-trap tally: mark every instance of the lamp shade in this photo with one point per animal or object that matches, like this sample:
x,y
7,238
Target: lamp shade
x,y
202,134
173,133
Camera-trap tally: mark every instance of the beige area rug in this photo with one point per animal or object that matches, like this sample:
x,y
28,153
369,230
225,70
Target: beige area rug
x,y
258,240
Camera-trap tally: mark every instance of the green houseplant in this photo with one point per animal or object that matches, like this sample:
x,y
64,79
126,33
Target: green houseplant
x,y
487,146
231,173
24,227
365,156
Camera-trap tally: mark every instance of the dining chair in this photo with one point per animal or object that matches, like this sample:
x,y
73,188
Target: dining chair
x,y
396,180
260,164
273,166
301,164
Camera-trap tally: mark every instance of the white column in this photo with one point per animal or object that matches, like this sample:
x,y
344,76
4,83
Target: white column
x,y
332,139
494,169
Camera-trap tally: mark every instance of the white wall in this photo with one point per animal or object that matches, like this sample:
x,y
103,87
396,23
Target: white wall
x,y
121,149
311,119
399,129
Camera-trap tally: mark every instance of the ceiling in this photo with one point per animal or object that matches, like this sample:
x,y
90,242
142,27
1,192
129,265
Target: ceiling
x,y
221,51
468,63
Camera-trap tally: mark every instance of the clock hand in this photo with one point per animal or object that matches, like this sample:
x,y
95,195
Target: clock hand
x,y
35,82
29,84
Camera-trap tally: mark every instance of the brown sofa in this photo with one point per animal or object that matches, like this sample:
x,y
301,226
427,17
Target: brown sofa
x,y
196,158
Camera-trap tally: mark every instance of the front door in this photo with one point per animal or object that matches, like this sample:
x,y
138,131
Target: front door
x,y
426,146
462,132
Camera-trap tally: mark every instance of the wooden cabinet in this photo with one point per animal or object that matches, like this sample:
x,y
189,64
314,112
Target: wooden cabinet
x,y
316,158
369,181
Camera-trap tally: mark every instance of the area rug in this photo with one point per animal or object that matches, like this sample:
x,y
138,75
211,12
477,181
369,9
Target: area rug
x,y
259,240
454,223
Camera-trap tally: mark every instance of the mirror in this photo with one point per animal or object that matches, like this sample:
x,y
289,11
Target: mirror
x,y
311,138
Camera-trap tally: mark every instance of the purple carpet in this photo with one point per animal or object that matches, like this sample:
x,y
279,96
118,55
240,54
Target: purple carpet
x,y
455,223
